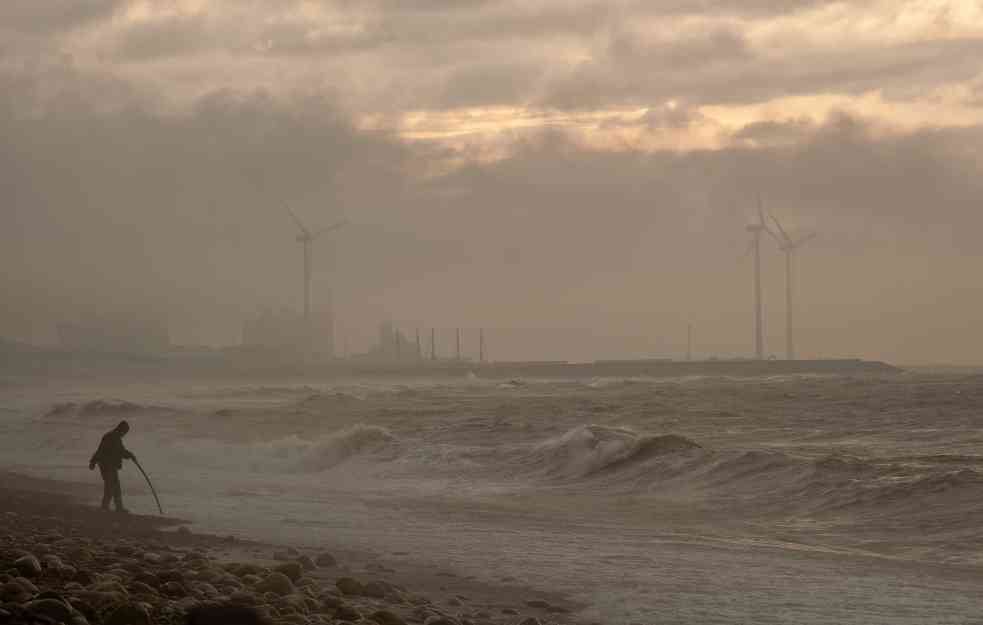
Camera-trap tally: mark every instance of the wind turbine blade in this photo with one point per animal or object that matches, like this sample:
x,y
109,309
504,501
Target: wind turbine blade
x,y
335,226
804,239
761,213
781,243
785,236
297,221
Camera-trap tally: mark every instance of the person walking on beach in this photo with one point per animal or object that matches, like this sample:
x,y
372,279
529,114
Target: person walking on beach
x,y
110,457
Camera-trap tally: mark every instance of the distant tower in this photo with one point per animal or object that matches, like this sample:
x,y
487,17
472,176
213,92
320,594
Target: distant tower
x,y
433,344
689,341
788,245
397,341
756,229
458,343
419,352
481,345
306,238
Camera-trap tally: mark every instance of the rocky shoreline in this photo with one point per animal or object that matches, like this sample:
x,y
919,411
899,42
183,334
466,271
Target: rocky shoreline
x,y
63,562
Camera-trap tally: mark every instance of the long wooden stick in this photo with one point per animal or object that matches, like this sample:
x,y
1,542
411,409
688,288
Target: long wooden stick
x,y
150,484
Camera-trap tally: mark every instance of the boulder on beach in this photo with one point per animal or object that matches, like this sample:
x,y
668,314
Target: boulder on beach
x,y
243,597
376,589
440,619
57,611
293,570
297,603
128,614
12,592
277,583
140,588
28,566
386,617
346,612
306,563
173,589
325,560
225,614
350,586
51,561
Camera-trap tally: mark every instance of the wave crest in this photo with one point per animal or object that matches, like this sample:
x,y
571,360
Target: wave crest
x,y
591,449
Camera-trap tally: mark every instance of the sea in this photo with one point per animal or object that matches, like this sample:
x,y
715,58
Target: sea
x,y
796,499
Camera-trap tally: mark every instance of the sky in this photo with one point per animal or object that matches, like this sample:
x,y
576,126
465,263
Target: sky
x,y
575,176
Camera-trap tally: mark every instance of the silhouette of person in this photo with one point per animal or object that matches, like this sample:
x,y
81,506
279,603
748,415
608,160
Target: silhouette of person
x,y
110,457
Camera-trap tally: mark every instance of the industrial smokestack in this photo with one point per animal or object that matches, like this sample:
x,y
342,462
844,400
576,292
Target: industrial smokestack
x,y
481,345
433,344
459,344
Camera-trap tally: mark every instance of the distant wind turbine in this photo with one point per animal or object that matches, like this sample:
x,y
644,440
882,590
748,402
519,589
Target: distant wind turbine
x,y
756,229
788,245
306,239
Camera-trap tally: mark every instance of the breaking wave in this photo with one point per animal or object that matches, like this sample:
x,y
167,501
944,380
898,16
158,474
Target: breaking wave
x,y
590,449
330,451
102,408
293,454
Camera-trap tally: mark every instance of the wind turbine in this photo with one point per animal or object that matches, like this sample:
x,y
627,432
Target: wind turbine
x,y
756,229
788,245
306,238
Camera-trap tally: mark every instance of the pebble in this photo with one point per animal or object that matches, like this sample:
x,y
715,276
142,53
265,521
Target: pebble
x,y
376,589
293,570
54,609
225,614
385,617
28,566
347,612
440,619
128,614
277,583
325,560
350,586
307,563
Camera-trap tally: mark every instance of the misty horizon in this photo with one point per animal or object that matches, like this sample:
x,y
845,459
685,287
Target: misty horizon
x,y
587,169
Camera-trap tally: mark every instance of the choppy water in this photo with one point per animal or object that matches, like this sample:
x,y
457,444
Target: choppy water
x,y
783,500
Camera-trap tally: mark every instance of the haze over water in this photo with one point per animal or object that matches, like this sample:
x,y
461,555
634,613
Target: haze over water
x,y
578,172
777,500
579,179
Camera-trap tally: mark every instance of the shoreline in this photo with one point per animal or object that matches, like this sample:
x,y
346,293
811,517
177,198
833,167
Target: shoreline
x,y
94,564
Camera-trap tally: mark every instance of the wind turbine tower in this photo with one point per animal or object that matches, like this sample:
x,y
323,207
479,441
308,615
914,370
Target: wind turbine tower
x,y
306,238
788,246
756,229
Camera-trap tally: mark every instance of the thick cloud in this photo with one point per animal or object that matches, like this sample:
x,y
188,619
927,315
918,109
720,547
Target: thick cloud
x,y
389,55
